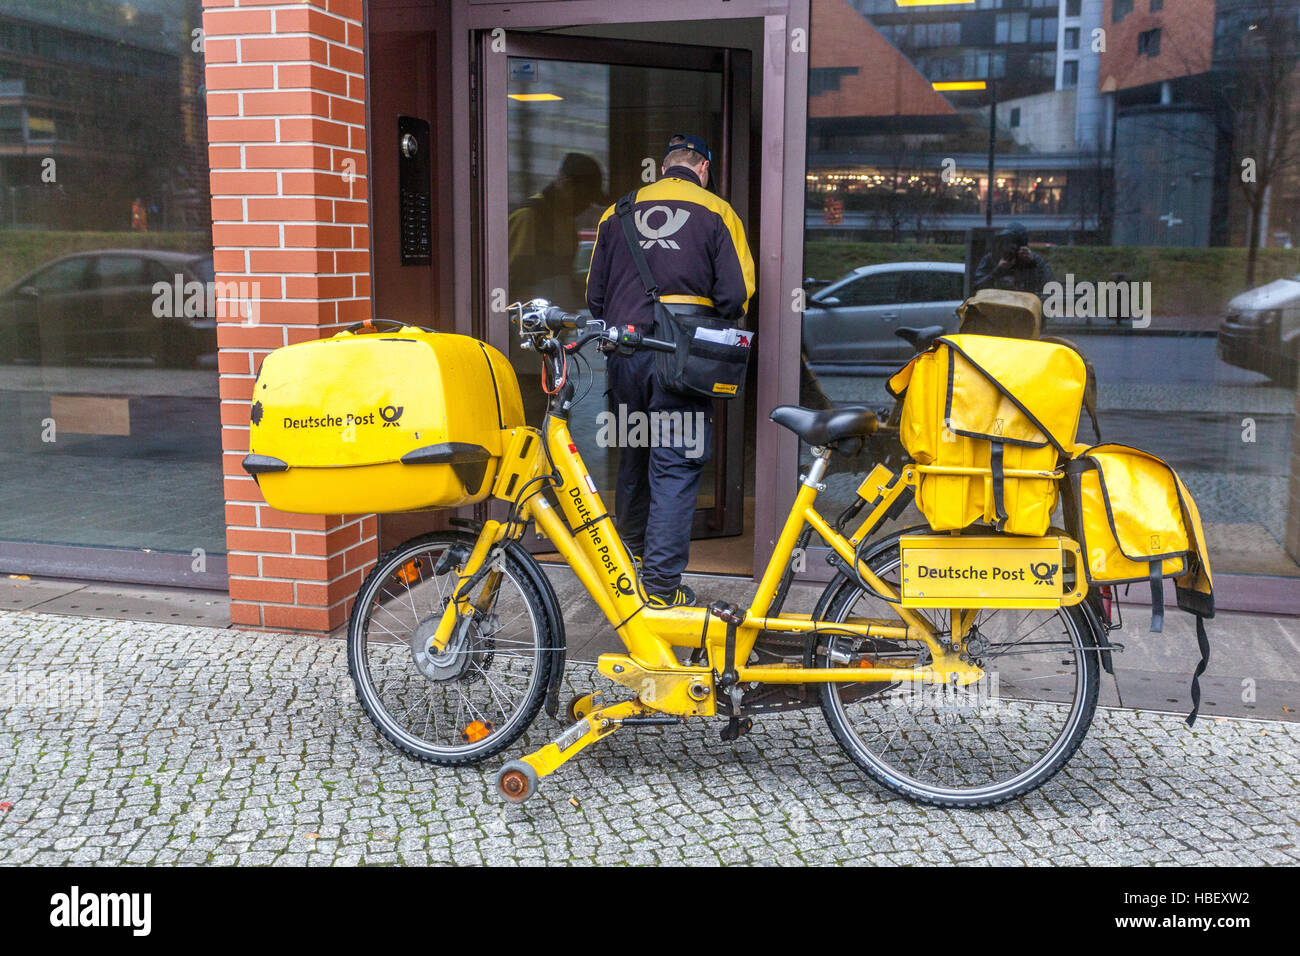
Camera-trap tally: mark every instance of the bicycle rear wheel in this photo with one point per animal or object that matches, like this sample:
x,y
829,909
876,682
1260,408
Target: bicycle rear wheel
x,y
962,747
480,693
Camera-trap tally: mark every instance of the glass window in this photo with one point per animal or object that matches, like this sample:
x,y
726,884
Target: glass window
x,y
1157,5
103,155
882,288
1149,43
932,285
113,272
1188,346
1019,27
66,276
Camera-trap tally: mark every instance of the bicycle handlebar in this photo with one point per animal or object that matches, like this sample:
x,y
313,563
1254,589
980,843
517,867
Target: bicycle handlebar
x,y
555,319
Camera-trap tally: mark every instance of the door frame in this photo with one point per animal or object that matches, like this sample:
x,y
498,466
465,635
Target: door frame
x,y
726,469
781,197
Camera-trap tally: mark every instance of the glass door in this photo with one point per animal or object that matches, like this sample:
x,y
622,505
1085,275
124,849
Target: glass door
x,y
566,126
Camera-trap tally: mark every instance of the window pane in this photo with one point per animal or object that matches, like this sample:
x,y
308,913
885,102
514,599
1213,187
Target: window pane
x,y
1132,201
103,150
115,271
66,276
881,289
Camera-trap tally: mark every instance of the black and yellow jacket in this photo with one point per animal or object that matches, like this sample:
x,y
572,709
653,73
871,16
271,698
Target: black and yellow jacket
x,y
694,244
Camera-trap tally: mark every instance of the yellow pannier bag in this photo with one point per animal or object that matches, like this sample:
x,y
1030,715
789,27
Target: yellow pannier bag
x,y
988,420
380,422
1136,521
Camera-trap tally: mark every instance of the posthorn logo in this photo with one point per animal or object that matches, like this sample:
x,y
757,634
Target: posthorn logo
x,y
390,414
673,220
1043,572
76,909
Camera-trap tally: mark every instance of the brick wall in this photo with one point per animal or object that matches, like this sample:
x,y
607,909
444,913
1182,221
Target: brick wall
x,y
287,141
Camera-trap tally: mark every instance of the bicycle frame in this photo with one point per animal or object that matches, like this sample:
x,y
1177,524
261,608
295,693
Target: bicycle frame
x,y
583,532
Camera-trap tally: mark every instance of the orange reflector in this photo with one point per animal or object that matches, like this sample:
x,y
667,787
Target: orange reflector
x,y
865,663
477,731
409,573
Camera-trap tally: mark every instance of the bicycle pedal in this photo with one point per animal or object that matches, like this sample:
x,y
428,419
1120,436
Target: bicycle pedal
x,y
736,728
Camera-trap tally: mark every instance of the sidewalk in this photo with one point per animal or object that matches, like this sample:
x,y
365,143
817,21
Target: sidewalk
x,y
214,745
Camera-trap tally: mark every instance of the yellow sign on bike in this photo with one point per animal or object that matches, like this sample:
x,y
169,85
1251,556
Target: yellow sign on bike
x,y
965,571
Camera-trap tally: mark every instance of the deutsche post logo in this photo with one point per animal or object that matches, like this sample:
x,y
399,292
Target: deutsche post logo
x,y
672,221
1043,572
390,414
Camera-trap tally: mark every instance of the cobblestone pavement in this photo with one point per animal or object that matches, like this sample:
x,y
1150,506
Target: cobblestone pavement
x,y
152,743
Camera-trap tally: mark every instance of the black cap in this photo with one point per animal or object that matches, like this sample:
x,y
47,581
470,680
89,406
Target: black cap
x,y
684,141
1015,230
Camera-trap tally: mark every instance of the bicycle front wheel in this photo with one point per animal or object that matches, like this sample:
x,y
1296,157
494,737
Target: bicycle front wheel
x,y
477,695
962,747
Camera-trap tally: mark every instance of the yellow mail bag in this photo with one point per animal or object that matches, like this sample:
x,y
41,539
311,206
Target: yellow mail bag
x,y
988,421
1136,521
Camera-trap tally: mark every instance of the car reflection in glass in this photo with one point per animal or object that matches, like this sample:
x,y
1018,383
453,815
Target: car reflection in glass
x,y
1261,331
102,305
851,322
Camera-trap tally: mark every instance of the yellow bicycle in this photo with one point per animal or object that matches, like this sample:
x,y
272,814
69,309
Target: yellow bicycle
x,y
958,669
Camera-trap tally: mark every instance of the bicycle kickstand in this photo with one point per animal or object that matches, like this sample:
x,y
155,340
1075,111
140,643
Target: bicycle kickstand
x,y
518,779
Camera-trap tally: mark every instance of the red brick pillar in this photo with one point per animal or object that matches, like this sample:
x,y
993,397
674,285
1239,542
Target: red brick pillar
x,y
287,140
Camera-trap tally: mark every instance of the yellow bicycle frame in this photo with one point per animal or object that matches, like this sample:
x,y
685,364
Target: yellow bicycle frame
x,y
535,466
583,532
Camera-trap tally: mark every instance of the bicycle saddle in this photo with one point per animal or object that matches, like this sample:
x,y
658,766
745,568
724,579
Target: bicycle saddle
x,y
922,338
824,426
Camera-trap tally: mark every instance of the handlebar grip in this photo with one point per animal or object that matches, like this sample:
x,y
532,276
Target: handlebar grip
x,y
657,345
556,319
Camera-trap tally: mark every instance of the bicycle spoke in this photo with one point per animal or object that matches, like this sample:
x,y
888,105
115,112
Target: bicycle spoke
x,y
990,736
491,663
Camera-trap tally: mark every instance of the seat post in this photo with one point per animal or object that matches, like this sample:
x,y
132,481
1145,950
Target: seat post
x,y
817,470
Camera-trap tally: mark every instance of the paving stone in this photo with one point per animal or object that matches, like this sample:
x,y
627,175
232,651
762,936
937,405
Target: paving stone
x,y
191,759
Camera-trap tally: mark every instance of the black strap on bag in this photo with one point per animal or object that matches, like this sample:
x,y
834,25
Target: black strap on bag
x,y
623,209
1157,597
1203,642
995,466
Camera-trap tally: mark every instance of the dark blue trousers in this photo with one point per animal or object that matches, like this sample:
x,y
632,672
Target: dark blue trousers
x,y
658,477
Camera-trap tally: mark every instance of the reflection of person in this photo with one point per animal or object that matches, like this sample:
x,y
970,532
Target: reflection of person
x,y
544,236
1012,265
139,216
694,245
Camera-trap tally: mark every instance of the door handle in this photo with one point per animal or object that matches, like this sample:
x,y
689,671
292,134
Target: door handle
x,y
889,316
